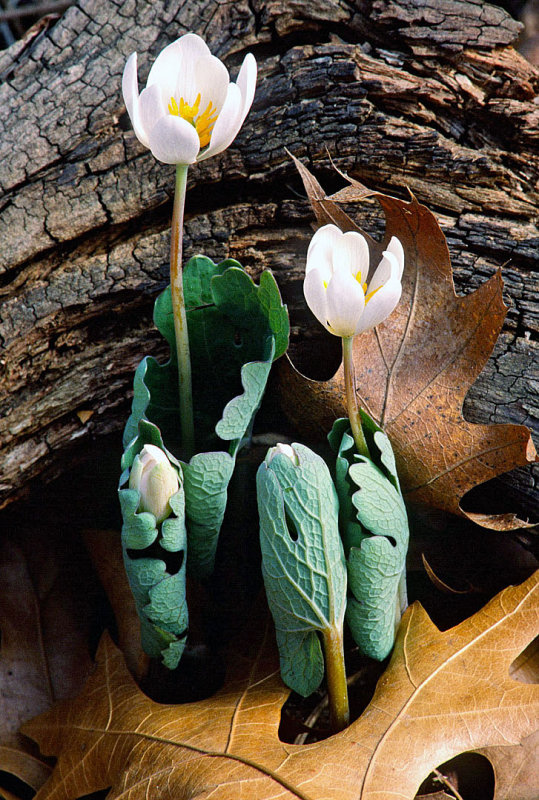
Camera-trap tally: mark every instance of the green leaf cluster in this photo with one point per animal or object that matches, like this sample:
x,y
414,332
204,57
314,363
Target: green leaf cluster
x,y
374,526
236,329
302,561
158,590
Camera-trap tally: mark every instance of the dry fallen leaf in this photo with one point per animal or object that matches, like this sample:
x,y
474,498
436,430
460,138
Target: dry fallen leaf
x,y
414,370
443,693
44,652
516,768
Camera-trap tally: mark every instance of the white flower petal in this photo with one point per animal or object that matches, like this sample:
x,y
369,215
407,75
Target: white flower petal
x,y
177,58
246,82
131,98
150,453
151,107
315,295
227,125
173,140
351,252
326,236
319,258
387,269
395,247
211,80
345,303
380,306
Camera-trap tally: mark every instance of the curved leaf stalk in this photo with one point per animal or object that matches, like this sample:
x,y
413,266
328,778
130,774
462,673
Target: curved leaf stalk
x,y
351,397
180,317
402,599
336,679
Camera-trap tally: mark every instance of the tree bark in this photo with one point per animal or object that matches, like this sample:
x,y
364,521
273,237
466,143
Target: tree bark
x,y
428,96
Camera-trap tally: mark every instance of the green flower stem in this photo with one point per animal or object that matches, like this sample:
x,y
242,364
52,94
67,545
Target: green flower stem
x,y
402,600
336,679
180,317
351,397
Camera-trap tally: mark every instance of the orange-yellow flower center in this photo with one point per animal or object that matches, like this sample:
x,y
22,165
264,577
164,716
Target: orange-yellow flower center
x,y
203,123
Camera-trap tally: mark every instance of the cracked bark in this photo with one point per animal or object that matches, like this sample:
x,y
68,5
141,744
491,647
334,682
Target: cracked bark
x,y
433,98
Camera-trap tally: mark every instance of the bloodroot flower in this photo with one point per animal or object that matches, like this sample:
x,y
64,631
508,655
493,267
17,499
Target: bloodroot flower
x,y
189,109
337,286
155,478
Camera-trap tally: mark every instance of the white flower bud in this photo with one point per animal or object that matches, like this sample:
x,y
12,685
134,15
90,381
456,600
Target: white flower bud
x,y
155,478
283,450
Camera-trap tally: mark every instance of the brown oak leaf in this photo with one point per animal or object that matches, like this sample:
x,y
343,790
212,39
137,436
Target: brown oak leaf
x,y
414,370
443,693
516,768
44,655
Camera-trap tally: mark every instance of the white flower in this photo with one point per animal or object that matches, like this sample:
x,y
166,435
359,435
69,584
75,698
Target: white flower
x,y
155,478
189,110
282,450
337,287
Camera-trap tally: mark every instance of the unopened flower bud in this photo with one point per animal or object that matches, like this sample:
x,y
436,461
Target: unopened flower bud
x,y
283,450
155,478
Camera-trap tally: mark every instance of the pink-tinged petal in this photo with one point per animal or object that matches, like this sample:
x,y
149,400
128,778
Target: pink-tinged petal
x,y
351,252
178,58
151,107
380,306
315,295
131,98
246,81
345,303
173,140
395,247
387,269
227,125
211,80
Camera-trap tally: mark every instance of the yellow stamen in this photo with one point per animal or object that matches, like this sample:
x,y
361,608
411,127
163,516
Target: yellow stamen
x,y
325,284
173,107
203,123
371,294
358,277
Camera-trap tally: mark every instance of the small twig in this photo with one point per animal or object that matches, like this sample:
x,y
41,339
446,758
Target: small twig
x,y
35,10
447,783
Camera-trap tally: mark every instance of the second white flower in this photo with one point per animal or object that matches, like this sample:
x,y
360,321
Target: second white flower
x,y
338,286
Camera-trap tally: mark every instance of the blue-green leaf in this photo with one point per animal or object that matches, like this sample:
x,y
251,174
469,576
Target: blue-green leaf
x,y
241,299
236,329
302,561
301,660
159,595
376,568
254,376
206,479
374,527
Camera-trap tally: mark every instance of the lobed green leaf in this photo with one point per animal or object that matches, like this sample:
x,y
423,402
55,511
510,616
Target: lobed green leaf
x,y
374,527
302,561
236,329
159,595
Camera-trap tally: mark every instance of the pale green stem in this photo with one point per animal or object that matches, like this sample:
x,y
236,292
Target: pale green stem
x,y
180,318
351,397
401,603
336,679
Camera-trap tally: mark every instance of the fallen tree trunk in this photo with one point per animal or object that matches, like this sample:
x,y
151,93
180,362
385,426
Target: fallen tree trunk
x,y
426,96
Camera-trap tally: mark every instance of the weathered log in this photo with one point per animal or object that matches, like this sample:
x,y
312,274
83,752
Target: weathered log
x,y
425,95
